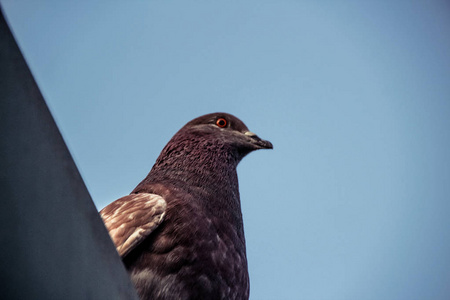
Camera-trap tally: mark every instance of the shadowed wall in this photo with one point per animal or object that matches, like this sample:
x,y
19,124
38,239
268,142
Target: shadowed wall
x,y
54,244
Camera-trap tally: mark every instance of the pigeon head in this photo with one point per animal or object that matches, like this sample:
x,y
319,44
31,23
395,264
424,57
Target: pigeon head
x,y
226,131
205,151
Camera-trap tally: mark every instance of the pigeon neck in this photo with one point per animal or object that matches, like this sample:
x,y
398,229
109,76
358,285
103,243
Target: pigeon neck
x,y
206,171
203,165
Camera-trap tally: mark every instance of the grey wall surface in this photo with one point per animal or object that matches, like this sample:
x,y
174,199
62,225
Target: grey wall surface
x,y
53,242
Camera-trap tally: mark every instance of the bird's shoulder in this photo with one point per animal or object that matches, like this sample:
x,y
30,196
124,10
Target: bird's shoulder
x,y
132,218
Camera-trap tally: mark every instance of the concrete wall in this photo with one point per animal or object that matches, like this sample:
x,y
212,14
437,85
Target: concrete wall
x,y
53,242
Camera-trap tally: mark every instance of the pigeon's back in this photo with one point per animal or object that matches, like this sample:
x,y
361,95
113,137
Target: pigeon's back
x,y
180,233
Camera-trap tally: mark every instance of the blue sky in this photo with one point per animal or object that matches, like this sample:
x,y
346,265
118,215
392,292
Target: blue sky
x,y
354,200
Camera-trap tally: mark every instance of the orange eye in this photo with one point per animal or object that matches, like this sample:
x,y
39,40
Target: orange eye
x,y
221,122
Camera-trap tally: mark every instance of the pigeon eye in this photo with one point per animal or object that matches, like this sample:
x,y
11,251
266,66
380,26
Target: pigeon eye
x,y
221,122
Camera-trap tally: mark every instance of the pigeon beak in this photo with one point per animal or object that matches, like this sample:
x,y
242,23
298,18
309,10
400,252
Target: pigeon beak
x,y
260,143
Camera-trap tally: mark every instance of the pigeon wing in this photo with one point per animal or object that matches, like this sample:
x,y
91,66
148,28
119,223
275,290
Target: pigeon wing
x,y
132,218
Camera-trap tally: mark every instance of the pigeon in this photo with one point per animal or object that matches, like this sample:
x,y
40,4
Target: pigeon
x,y
180,232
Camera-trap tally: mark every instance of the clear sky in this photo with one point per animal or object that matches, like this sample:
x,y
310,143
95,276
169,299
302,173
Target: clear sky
x,y
354,200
